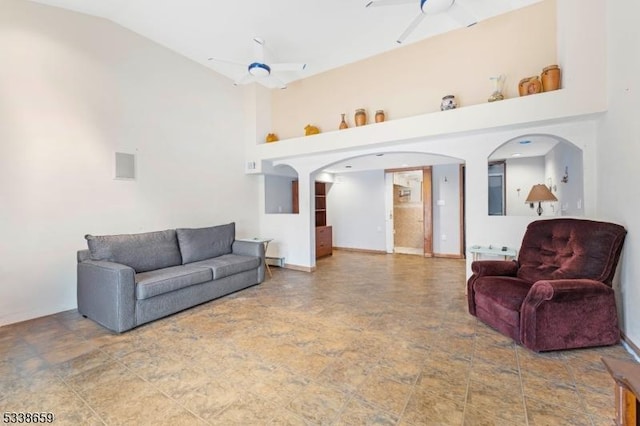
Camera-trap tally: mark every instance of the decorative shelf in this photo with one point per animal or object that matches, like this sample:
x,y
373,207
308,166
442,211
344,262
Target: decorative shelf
x,y
559,105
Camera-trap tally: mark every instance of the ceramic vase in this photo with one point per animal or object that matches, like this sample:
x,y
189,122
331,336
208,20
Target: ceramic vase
x,y
360,117
448,102
343,123
379,116
550,78
498,83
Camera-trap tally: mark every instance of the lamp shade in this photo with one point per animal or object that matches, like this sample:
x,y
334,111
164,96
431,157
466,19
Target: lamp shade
x,y
539,193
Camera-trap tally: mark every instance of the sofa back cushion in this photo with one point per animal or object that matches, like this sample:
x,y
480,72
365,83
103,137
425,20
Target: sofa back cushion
x,y
143,252
204,243
570,248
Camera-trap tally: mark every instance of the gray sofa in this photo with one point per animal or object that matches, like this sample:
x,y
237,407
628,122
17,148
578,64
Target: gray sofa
x,y
128,280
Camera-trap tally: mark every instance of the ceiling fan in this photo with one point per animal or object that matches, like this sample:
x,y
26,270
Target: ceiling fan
x,y
261,72
430,7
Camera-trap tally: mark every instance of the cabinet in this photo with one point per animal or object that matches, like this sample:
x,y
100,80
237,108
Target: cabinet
x,y
324,241
321,203
324,233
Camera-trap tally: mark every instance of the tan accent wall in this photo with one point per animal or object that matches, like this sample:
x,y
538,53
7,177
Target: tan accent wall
x,y
412,79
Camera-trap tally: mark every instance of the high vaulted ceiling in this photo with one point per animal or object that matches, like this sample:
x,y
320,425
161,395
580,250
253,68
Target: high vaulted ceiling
x,y
323,34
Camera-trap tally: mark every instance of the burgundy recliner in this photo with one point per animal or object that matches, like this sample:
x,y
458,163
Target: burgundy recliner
x,y
558,294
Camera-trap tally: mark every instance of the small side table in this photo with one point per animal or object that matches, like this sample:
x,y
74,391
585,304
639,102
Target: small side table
x,y
264,241
627,390
508,253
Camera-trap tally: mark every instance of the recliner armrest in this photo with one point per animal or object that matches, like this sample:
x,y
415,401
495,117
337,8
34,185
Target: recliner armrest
x,y
504,268
565,290
106,294
568,313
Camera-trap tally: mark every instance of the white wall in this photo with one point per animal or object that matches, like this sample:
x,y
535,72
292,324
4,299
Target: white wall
x,y
566,157
521,175
73,90
446,209
356,210
619,151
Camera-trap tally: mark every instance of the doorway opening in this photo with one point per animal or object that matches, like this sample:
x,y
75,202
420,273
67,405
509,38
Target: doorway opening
x,y
410,215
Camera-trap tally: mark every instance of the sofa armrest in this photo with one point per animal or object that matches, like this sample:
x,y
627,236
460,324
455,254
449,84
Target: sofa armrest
x,y
252,248
504,268
106,294
248,248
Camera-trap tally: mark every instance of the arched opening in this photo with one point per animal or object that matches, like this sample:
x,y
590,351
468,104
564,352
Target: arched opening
x,y
533,159
395,202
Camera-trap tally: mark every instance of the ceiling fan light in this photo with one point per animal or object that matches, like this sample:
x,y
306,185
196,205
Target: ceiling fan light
x,y
435,6
257,69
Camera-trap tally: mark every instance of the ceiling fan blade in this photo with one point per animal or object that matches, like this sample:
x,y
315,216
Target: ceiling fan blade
x,y
515,4
226,61
258,49
462,15
280,84
247,78
287,67
388,2
412,26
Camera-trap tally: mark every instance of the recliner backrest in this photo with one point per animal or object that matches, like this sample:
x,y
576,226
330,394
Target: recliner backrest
x,y
570,248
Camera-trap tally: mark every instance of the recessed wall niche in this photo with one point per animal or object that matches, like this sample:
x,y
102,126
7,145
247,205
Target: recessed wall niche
x,y
527,160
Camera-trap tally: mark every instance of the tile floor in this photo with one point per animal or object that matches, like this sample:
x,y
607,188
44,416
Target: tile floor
x,y
366,339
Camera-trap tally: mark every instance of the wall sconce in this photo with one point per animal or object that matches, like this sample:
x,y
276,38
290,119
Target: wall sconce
x,y
565,178
540,193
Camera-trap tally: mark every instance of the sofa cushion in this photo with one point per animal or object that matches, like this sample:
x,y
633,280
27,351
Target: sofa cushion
x,y
153,283
204,243
143,252
229,264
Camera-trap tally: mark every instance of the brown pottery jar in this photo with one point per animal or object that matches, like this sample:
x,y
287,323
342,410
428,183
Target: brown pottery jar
x,y
550,78
360,117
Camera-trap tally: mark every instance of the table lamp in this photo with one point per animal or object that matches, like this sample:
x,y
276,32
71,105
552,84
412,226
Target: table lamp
x,y
540,193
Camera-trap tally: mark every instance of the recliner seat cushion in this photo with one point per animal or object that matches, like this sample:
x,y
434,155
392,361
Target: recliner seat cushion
x,y
204,243
142,252
153,283
502,297
229,264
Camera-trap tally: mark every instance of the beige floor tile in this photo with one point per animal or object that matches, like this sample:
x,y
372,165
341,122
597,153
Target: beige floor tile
x,y
386,393
342,374
246,410
504,400
426,408
365,339
358,412
319,404
284,417
210,399
556,392
543,413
